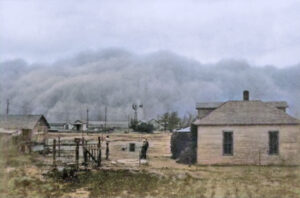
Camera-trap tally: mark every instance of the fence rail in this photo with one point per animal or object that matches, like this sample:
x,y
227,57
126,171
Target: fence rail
x,y
58,149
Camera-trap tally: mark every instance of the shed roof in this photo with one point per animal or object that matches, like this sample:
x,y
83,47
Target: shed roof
x,y
20,121
80,122
184,130
254,112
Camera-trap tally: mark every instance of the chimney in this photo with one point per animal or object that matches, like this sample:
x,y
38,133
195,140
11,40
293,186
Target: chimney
x,y
246,95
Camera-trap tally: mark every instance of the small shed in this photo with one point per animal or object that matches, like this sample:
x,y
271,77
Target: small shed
x,y
80,125
31,127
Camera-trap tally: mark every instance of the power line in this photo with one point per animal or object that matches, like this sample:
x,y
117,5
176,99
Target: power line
x,y
87,118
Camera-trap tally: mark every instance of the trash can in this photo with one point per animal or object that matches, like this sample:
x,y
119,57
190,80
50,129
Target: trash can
x,y
131,147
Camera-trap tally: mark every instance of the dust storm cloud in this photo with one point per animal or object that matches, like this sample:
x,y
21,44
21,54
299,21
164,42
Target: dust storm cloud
x,y
116,78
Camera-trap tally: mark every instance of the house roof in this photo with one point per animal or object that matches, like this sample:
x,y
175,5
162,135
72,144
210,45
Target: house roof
x,y
79,122
278,104
20,121
254,112
208,105
214,105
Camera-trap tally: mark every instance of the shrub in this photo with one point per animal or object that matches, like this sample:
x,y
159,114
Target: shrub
x,y
187,155
184,146
141,126
145,127
179,141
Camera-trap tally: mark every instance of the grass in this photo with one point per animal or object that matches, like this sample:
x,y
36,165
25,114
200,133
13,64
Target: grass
x,y
125,183
19,177
23,175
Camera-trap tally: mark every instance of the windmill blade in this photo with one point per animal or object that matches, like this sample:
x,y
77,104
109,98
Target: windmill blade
x,y
134,106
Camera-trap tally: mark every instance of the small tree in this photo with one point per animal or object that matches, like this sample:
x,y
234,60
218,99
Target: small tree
x,y
169,121
164,120
187,120
174,121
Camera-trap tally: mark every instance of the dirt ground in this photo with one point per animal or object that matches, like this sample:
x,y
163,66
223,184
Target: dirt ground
x,y
123,176
120,156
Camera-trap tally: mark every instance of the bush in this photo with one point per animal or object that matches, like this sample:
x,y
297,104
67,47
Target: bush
x,y
184,146
145,127
179,141
188,155
141,126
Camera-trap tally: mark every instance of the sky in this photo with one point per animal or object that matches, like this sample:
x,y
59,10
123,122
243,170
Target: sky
x,y
259,32
58,58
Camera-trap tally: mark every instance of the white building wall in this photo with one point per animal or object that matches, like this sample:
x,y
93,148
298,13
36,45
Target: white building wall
x,y
251,144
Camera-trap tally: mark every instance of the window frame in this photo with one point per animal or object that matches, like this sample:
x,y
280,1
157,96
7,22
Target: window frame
x,y
232,144
270,148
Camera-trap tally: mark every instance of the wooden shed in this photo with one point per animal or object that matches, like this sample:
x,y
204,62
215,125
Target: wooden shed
x,y
33,127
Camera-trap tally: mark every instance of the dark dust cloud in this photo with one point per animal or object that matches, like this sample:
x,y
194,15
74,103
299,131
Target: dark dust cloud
x,y
116,78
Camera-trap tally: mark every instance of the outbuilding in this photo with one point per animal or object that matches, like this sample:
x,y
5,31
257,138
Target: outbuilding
x,y
32,127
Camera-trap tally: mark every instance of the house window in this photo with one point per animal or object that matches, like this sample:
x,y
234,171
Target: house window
x,y
273,143
227,143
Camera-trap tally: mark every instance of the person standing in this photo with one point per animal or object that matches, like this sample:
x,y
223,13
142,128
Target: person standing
x,y
107,147
144,149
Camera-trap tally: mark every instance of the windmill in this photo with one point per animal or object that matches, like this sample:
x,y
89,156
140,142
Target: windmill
x,y
135,109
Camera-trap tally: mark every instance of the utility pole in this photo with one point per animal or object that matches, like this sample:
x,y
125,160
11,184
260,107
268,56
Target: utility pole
x,y
105,118
87,118
7,107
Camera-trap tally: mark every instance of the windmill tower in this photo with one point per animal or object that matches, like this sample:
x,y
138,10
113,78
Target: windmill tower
x,y
141,112
135,108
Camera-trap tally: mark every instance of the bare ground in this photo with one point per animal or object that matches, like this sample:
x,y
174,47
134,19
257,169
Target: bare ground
x,y
122,176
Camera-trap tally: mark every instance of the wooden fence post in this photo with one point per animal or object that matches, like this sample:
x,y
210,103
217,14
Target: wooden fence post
x,y
29,146
99,152
107,150
259,157
92,151
87,156
44,148
96,152
77,153
58,146
84,152
54,152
